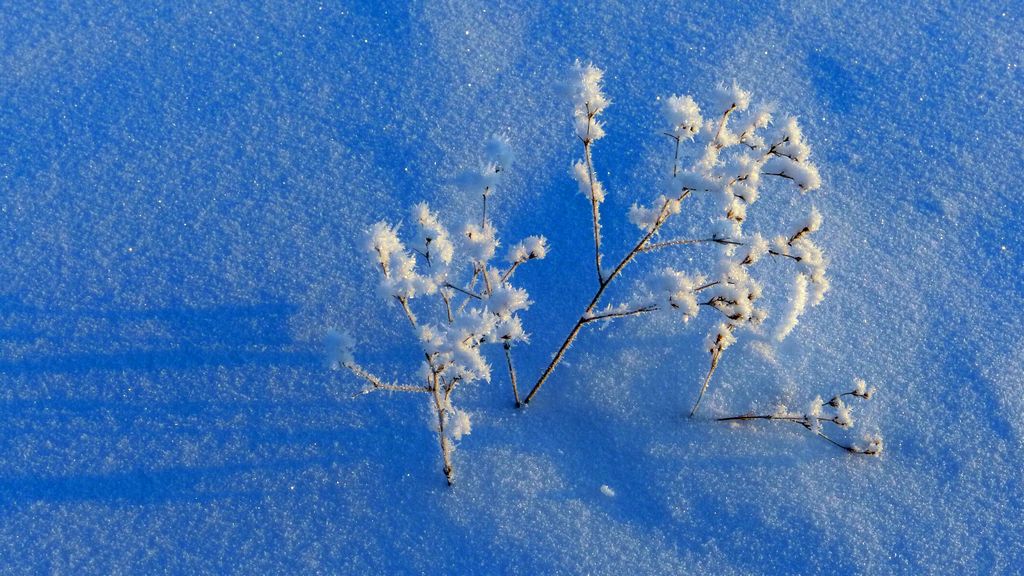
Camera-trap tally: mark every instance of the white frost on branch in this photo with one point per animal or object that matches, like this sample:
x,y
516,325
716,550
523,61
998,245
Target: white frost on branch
x,y
646,218
676,292
432,238
461,424
588,100
453,328
589,185
481,242
797,305
683,116
529,248
497,159
721,338
730,97
505,300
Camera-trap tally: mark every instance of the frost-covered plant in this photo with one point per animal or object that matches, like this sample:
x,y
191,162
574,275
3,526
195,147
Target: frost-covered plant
x,y
736,149
835,412
425,272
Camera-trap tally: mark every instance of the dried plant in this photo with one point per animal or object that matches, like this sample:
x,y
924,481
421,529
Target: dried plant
x,y
735,151
730,163
425,274
835,412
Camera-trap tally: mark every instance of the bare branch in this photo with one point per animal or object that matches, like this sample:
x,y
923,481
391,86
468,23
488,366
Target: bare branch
x,y
512,373
466,292
707,380
622,314
508,273
659,221
377,384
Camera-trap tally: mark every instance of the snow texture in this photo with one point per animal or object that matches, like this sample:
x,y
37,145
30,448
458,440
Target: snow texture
x,y
184,194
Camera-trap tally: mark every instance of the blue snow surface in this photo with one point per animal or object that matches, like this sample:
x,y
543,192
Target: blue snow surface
x,y
184,188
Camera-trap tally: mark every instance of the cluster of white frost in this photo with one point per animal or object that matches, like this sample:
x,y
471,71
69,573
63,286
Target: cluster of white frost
x,y
452,319
676,291
588,99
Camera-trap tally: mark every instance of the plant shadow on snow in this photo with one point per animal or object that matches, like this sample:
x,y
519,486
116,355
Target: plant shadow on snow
x,y
162,338
180,405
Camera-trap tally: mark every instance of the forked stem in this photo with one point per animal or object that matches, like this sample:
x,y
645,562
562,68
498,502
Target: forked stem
x,y
637,249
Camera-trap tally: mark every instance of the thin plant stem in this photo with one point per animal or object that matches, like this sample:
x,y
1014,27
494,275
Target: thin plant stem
x,y
447,305
469,287
721,125
595,209
715,356
675,159
408,311
466,292
595,215
802,421
449,471
512,373
623,314
508,273
377,384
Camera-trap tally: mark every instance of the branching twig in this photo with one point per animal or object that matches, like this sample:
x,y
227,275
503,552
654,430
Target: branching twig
x,y
813,422
560,353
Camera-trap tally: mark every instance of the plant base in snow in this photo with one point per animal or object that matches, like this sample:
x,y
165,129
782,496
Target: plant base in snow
x,y
835,412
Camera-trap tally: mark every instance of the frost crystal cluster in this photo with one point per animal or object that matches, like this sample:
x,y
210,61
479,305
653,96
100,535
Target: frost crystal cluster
x,y
452,320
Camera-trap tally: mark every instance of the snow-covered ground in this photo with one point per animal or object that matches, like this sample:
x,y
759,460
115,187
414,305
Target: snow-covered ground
x,y
183,190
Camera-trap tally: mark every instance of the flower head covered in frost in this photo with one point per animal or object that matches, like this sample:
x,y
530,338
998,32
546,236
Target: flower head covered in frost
x,y
399,278
810,284
676,292
683,116
455,344
588,99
